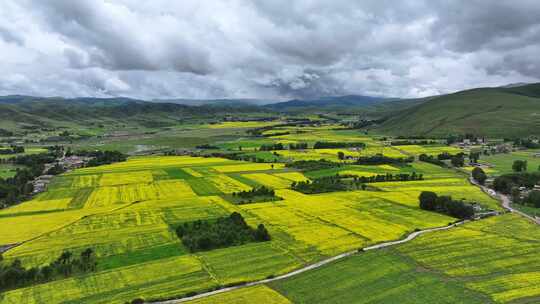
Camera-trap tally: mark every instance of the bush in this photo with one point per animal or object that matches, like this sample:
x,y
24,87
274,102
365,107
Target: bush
x,y
479,175
223,232
445,205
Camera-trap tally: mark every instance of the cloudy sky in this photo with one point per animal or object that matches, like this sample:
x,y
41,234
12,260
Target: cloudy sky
x,y
275,49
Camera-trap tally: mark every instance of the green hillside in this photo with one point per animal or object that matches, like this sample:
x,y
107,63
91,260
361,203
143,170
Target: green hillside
x,y
19,111
498,112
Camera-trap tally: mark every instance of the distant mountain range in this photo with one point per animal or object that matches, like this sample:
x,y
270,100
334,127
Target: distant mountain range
x,y
329,102
508,111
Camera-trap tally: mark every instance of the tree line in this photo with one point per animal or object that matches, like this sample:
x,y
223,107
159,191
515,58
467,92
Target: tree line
x,y
12,150
102,157
18,188
506,182
312,165
259,191
333,145
14,275
446,205
346,182
203,235
380,159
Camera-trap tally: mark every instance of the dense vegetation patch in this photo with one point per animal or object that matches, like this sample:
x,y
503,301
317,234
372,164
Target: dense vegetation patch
x,y
309,165
103,157
506,182
272,147
349,182
255,195
333,145
446,205
15,275
382,160
12,150
224,232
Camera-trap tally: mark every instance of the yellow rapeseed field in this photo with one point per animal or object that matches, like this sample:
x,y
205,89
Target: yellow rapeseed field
x,y
227,184
256,294
247,167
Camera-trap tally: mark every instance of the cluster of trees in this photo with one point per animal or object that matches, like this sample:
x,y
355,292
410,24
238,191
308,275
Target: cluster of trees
x,y
298,146
474,157
380,159
528,143
412,142
457,160
506,182
103,157
388,177
446,205
272,147
12,150
479,175
311,165
223,232
238,156
6,133
533,199
458,138
206,147
14,275
431,159
519,166
321,185
18,188
260,191
349,182
333,145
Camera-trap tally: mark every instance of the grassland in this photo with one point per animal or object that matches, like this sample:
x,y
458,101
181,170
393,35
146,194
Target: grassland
x,y
489,261
502,163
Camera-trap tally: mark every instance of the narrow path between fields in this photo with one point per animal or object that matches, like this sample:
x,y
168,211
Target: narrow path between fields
x,y
409,237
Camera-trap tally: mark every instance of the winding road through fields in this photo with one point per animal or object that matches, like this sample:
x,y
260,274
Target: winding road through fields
x,y
409,237
505,200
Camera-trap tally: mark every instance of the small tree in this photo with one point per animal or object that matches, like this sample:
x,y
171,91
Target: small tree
x,y
534,198
341,155
479,175
427,200
457,161
519,166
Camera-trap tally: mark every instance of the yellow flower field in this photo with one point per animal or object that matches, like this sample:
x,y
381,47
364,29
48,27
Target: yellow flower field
x,y
115,179
247,167
292,176
256,294
269,180
227,184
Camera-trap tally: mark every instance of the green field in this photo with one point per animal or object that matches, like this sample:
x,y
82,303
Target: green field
x,y
489,261
502,163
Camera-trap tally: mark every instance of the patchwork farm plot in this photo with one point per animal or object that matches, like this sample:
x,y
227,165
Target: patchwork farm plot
x,y
128,213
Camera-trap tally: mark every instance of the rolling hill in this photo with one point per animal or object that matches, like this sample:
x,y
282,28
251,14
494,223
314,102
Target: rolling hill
x,y
328,103
16,111
496,112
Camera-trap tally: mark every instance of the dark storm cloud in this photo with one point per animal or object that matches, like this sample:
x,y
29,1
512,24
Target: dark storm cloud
x,y
268,49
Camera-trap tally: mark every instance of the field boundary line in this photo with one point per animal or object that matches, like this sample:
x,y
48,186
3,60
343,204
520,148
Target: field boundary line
x,y
411,236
